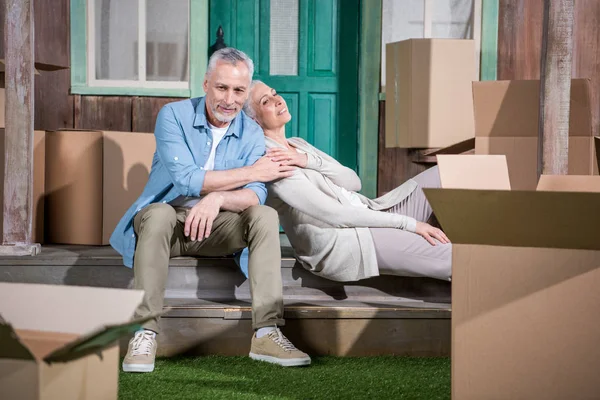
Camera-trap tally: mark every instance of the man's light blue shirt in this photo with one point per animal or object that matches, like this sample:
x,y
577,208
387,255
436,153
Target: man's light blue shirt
x,y
183,144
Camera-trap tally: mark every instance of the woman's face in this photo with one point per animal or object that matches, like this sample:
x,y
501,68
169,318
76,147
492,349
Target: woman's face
x,y
270,108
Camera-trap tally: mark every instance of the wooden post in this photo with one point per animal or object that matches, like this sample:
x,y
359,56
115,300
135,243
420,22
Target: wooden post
x,y
555,87
18,145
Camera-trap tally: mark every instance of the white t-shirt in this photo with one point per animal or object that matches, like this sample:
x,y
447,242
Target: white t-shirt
x,y
209,165
217,135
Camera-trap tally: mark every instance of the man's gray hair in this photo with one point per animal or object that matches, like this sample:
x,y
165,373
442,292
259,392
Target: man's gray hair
x,y
231,56
248,107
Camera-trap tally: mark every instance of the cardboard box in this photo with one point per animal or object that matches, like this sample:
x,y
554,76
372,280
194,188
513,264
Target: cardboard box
x,y
428,92
507,119
526,272
39,161
92,177
60,342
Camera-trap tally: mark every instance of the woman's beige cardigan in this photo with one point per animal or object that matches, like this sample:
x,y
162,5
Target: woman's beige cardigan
x,y
329,235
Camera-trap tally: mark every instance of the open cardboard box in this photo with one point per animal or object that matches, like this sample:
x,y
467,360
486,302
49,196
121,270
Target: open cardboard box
x,y
525,279
60,342
506,117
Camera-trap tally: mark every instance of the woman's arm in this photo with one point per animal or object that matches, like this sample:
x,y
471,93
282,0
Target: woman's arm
x,y
301,194
331,168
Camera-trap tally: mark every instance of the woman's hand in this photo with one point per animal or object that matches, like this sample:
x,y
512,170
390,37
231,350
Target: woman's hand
x,y
429,233
287,157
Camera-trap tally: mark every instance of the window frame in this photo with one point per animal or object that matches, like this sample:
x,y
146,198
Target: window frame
x,y
81,67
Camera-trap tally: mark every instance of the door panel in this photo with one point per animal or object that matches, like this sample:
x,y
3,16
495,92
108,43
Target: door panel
x,y
322,118
321,91
322,37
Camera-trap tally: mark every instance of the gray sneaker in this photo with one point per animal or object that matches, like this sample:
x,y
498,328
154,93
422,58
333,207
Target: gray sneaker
x,y
277,349
140,353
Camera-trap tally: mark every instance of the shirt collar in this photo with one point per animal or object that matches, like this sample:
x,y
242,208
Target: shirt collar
x,y
200,119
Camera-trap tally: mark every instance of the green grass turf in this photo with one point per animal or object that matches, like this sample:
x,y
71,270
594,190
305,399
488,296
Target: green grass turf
x,y
327,378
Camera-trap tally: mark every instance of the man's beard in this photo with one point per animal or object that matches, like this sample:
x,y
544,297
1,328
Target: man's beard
x,y
223,118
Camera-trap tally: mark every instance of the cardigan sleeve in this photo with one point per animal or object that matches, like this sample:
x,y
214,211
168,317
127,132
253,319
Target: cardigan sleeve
x,y
299,193
331,168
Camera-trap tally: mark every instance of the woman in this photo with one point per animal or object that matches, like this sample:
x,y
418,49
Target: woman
x,y
336,232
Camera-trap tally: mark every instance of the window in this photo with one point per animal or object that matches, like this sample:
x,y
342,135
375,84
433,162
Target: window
x,y
456,19
139,47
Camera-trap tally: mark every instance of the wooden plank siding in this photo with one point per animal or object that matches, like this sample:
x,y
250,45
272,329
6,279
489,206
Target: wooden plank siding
x,y
395,165
145,110
586,51
53,104
109,113
520,39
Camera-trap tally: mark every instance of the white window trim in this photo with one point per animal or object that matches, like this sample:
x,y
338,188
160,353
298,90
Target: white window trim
x,y
142,82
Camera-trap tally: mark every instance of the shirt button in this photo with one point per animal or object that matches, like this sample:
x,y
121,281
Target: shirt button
x,y
133,235
208,143
175,158
164,201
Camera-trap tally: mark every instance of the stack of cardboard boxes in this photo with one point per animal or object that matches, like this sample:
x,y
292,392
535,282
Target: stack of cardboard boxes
x,y
526,255
434,100
92,177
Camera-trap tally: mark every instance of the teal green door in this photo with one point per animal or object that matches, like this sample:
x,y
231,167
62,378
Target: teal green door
x,y
308,51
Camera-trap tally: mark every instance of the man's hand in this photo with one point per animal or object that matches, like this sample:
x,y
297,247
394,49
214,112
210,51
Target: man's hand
x,y
287,157
429,233
266,170
199,221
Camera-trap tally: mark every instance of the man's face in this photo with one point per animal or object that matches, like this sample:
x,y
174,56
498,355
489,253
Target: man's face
x,y
226,89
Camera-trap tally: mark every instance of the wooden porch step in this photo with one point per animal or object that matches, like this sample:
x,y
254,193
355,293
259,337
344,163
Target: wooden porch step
x,y
208,278
319,328
210,304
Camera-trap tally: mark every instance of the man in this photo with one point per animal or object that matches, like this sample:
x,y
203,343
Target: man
x,y
205,197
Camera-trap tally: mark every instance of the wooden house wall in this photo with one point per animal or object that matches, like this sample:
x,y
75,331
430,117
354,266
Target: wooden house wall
x,y
55,107
519,49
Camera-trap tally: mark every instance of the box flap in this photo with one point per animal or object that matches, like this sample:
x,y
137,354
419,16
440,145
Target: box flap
x,y
511,108
67,309
473,172
457,148
96,341
42,343
569,183
10,345
565,220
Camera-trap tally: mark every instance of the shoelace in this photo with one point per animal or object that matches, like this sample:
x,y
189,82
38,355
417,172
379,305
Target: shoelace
x,y
281,340
142,344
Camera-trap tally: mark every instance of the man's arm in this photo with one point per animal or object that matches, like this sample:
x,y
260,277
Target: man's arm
x,y
263,170
237,200
175,155
190,180
257,170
